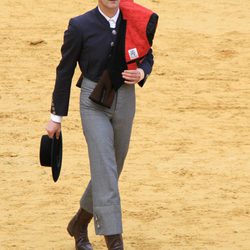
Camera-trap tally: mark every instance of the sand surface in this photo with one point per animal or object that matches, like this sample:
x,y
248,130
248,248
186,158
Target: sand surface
x,y
186,183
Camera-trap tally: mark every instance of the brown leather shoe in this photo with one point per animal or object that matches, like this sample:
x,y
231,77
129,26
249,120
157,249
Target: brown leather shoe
x,y
78,228
114,242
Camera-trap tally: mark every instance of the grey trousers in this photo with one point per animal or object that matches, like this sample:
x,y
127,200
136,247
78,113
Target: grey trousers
x,y
107,133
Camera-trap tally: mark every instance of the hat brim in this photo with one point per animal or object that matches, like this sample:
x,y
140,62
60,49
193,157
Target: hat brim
x,y
56,157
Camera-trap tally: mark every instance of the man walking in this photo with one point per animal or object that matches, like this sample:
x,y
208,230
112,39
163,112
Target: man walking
x,y
91,41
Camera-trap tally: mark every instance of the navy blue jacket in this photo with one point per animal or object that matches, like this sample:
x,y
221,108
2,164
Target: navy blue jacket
x,y
87,41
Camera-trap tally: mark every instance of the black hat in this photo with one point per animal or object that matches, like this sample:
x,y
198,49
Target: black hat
x,y
51,154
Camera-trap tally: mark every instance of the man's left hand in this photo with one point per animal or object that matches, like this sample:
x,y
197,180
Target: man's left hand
x,y
133,76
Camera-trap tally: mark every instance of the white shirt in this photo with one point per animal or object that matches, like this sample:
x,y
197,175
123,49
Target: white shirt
x,y
112,20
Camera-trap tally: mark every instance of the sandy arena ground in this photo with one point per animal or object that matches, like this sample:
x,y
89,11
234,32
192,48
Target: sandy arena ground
x,y
186,183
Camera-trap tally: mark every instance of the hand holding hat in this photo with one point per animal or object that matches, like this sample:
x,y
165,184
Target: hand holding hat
x,y
53,128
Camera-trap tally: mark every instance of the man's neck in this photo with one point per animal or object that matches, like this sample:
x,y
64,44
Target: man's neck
x,y
108,12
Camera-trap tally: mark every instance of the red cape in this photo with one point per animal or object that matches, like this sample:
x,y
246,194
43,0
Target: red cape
x,y
137,43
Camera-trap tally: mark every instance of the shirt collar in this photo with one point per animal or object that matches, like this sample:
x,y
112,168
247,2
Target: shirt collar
x,y
110,19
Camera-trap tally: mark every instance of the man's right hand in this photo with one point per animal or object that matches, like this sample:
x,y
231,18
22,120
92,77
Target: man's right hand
x,y
53,128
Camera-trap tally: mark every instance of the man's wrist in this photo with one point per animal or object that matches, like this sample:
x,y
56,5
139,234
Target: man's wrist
x,y
56,118
141,71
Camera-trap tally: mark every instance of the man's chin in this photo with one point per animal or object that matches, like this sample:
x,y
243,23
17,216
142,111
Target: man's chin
x,y
113,3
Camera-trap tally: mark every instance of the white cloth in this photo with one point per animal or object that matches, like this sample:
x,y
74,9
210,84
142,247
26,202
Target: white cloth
x,y
56,118
112,20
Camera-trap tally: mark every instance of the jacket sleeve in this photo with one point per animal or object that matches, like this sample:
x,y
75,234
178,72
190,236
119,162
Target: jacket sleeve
x,y
148,62
70,51
146,65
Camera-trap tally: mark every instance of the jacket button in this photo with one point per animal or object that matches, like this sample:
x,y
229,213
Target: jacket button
x,y
112,44
114,32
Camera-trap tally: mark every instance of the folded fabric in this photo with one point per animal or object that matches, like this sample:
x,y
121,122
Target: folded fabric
x,y
141,24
